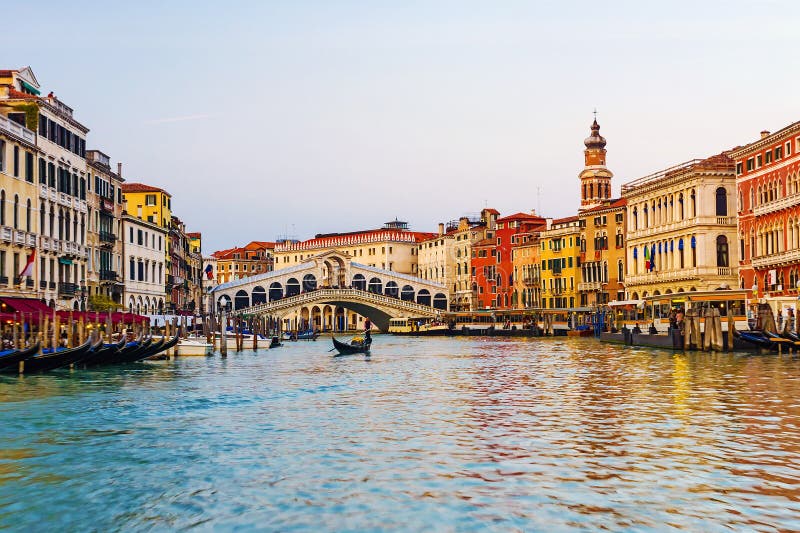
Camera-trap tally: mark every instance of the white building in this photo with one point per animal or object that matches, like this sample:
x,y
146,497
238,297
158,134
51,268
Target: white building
x,y
143,263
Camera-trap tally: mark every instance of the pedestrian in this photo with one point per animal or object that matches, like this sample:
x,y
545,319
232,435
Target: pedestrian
x,y
779,319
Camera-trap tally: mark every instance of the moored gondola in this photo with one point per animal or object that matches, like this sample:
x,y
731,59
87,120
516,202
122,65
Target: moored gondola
x,y
133,353
167,344
9,359
102,355
756,338
52,359
353,348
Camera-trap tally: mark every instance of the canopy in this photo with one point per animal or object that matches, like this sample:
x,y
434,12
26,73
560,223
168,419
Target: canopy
x,y
620,303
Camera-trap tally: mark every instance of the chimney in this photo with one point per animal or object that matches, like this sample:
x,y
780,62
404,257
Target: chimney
x,y
441,228
764,134
119,169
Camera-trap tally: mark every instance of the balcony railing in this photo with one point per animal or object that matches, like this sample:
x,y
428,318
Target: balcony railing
x,y
108,275
661,229
107,237
776,205
782,258
67,289
704,273
531,280
589,286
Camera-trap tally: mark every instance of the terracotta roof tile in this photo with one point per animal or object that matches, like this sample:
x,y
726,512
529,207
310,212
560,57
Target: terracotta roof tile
x,y
141,187
13,93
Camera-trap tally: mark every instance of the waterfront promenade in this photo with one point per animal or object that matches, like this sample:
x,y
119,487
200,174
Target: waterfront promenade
x,y
546,434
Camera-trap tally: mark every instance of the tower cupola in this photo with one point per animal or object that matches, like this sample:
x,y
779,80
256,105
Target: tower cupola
x,y
595,177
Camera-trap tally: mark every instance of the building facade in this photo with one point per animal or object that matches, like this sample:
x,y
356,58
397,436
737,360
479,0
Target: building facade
x,y
53,159
560,263
144,265
681,233
526,260
602,253
103,235
255,257
768,205
393,247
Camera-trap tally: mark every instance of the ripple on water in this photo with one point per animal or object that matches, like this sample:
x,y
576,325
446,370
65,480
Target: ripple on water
x,y
455,434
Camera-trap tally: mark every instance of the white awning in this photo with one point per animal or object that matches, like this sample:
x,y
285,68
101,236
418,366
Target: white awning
x,y
617,303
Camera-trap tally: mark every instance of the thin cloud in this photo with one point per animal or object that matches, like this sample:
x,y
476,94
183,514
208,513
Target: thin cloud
x,y
178,119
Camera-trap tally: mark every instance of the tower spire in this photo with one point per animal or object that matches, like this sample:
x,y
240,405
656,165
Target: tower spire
x,y
595,177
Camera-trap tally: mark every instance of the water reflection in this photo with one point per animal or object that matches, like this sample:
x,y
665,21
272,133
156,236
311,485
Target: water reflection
x,y
500,434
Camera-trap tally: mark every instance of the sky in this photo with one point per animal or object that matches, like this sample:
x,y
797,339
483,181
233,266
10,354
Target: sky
x,y
267,119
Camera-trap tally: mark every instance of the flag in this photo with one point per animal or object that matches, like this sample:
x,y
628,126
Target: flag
x,y
653,258
646,258
209,271
28,269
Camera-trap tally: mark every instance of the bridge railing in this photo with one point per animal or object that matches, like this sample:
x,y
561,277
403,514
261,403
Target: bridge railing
x,y
356,294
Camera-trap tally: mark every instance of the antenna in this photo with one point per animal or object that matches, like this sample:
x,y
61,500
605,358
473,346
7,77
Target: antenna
x,y
595,113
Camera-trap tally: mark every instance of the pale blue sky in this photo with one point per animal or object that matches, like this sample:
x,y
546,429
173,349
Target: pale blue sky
x,y
310,116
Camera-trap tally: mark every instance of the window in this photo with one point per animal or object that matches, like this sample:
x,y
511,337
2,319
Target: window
x,y
29,167
750,164
738,168
778,152
150,199
722,251
768,157
139,237
759,161
2,156
722,202
16,161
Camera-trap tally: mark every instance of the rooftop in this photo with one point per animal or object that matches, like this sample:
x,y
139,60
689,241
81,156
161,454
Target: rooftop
x,y
141,187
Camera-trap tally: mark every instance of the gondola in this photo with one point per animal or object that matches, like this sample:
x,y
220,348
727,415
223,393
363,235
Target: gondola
x,y
275,342
756,338
152,349
104,353
135,353
125,351
10,358
780,340
166,345
52,359
351,349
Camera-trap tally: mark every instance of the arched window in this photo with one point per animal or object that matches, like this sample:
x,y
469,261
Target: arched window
x,y
722,251
694,204
3,208
722,202
680,207
16,211
28,216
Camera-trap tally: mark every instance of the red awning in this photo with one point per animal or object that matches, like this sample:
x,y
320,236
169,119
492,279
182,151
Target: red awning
x,y
23,305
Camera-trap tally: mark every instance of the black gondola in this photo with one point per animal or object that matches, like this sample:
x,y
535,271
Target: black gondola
x,y
167,344
11,358
53,359
133,353
352,348
126,350
756,338
104,353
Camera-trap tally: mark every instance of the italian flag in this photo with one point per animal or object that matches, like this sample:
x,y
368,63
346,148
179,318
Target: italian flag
x,y
28,270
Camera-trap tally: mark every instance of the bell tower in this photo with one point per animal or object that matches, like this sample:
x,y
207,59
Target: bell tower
x,y
595,177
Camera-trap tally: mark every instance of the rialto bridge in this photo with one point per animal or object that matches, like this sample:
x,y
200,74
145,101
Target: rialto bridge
x,y
329,291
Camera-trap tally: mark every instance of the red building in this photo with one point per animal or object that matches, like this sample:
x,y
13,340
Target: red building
x,y
768,189
492,261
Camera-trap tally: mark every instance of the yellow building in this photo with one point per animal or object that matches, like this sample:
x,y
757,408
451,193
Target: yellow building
x,y
148,203
603,253
560,263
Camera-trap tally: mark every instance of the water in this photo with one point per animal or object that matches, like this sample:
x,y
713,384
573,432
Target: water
x,y
430,434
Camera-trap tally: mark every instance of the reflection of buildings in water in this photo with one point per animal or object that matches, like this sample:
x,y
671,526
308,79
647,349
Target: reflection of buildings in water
x,y
681,385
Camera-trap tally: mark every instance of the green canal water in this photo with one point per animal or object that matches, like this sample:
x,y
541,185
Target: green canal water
x,y
435,434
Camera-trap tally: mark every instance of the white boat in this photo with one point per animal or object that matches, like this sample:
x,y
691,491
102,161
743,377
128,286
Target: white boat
x,y
193,347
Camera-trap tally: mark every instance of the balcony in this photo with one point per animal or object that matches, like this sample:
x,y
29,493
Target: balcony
x,y
589,286
660,229
64,199
43,285
108,275
776,205
696,273
20,131
51,285
107,237
774,260
67,289
531,280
